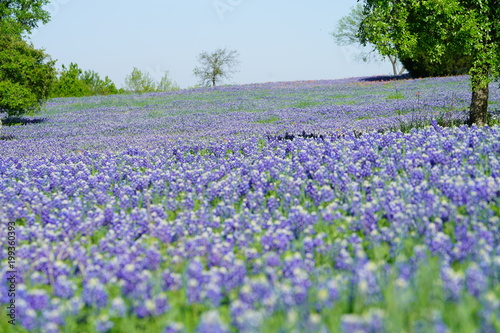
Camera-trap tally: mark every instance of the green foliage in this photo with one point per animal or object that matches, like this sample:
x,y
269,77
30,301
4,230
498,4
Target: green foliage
x,y
166,84
69,83
216,66
23,15
142,82
139,82
438,32
396,95
97,85
270,120
304,104
394,27
73,82
346,31
449,64
26,74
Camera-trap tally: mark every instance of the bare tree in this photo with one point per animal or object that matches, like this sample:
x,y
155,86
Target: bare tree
x,y
216,66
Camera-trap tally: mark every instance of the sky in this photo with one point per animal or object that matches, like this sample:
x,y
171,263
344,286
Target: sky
x,y
277,40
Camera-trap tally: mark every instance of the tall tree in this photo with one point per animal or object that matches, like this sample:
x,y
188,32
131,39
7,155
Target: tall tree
x,y
26,75
437,28
216,66
347,33
23,15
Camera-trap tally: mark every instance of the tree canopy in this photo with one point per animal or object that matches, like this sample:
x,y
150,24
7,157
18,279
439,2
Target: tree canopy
x,y
216,66
23,15
26,75
438,30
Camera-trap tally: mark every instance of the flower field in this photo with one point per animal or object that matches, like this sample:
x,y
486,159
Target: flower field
x,y
277,207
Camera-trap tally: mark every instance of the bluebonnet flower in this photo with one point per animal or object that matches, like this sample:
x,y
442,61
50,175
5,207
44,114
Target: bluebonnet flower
x,y
237,309
224,205
152,259
235,275
94,294
375,320
249,321
118,307
367,281
63,287
343,260
439,325
28,318
38,299
74,306
211,322
452,283
475,280
55,314
193,290
172,281
352,323
51,328
103,324
272,259
213,291
173,328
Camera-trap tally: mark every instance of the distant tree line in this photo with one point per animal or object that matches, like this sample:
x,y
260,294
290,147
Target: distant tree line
x,y
28,76
71,81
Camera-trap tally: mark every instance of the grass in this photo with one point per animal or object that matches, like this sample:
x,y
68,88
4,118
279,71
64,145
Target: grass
x,y
304,104
396,95
155,113
272,119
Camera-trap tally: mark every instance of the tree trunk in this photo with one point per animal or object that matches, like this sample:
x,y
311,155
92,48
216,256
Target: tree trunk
x,y
393,61
479,105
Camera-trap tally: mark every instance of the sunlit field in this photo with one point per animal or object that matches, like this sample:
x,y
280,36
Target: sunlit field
x,y
313,206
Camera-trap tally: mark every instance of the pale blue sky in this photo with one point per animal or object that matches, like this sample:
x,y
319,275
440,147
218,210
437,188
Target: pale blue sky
x,y
278,40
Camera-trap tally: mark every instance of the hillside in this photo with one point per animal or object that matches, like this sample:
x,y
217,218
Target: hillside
x,y
233,112
197,211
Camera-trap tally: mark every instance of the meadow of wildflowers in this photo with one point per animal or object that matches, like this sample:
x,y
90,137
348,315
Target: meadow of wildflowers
x,y
195,211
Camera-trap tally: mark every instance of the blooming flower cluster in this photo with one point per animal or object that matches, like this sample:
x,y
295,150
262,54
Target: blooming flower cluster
x,y
246,232
149,121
